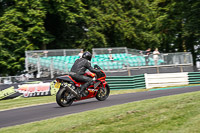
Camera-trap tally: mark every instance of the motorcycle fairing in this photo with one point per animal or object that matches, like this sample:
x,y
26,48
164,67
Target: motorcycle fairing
x,y
67,78
104,84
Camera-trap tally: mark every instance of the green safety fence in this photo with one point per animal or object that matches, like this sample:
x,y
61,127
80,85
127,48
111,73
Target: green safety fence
x,y
194,77
126,82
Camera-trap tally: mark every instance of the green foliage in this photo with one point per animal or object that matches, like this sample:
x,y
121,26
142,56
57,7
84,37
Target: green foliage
x,y
56,24
120,23
179,25
21,25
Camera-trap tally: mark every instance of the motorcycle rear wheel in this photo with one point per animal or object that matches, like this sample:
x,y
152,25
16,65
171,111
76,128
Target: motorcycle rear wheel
x,y
101,95
61,98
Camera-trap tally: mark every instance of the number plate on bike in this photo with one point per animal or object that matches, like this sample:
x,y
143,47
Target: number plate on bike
x,y
57,85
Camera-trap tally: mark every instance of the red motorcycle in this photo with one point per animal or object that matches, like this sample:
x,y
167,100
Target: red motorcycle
x,y
69,89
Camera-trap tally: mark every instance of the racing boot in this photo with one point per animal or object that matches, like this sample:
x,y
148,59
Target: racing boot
x,y
82,92
83,87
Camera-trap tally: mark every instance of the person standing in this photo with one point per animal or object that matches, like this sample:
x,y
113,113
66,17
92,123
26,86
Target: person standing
x,y
110,57
147,53
80,54
155,56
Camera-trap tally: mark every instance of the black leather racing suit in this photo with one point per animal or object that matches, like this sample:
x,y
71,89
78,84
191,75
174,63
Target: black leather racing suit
x,y
78,70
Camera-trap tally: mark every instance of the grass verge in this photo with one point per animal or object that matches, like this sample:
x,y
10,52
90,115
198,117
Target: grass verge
x,y
23,102
174,114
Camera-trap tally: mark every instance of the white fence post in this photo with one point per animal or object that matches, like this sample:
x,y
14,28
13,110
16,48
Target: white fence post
x,y
26,61
146,81
38,66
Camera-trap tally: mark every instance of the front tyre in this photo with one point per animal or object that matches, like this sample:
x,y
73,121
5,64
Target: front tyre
x,y
103,93
62,98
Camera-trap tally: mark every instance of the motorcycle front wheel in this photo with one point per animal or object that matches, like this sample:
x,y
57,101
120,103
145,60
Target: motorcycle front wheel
x,y
103,93
62,98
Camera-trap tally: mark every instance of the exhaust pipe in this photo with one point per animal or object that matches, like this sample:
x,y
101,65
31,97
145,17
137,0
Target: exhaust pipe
x,y
73,92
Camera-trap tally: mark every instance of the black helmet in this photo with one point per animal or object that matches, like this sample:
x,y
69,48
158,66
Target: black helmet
x,y
87,55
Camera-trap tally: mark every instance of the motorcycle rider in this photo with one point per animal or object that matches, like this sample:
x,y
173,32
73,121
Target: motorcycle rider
x,y
78,70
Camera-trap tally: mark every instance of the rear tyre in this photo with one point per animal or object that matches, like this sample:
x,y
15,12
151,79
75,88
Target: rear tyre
x,y
62,98
103,94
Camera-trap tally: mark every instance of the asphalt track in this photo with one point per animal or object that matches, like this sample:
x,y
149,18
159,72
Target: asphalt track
x,y
46,111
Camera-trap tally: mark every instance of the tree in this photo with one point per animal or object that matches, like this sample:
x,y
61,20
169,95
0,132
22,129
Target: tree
x,y
115,23
170,25
23,27
178,25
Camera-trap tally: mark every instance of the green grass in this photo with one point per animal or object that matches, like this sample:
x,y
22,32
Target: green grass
x,y
189,85
22,102
170,114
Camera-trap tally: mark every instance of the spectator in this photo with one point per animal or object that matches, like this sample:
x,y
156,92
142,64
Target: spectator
x,y
34,55
80,54
147,53
155,56
45,53
110,57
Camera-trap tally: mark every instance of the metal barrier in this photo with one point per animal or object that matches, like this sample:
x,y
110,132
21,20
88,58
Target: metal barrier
x,y
126,82
61,61
49,60
152,80
13,79
143,81
115,50
134,57
133,51
166,79
37,54
194,77
177,58
148,81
